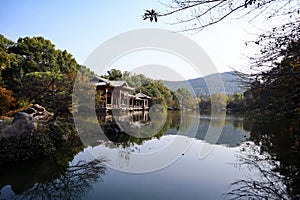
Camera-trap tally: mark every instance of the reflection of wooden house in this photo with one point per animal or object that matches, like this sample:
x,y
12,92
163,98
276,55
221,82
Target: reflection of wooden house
x,y
117,95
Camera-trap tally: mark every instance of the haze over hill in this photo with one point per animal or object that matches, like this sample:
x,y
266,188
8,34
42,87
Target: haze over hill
x,y
198,86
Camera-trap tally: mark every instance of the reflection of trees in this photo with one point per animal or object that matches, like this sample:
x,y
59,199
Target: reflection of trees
x,y
23,175
181,120
72,184
275,157
125,133
280,139
265,182
227,132
129,128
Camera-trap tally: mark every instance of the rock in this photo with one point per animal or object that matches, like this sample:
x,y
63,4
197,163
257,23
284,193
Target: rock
x,y
39,112
22,117
23,124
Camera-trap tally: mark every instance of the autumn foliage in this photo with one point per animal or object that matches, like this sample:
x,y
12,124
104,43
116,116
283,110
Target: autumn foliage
x,y
7,101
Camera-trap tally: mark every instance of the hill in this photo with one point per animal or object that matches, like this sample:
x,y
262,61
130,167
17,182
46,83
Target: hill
x,y
198,86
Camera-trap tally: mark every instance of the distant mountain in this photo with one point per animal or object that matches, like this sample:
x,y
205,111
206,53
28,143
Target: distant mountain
x,y
214,82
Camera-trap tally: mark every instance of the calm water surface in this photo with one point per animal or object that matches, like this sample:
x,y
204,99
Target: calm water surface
x,y
165,156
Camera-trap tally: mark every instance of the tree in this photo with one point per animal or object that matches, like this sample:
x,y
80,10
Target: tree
x,y
4,56
185,98
219,101
158,92
113,74
276,92
236,103
36,72
150,14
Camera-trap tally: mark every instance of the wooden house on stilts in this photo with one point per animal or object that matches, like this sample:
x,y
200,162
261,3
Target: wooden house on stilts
x,y
116,95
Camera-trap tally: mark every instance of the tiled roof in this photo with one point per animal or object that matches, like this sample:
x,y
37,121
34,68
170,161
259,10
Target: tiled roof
x,y
102,81
142,95
118,83
99,81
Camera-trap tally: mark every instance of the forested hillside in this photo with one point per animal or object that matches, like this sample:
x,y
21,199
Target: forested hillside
x,y
198,86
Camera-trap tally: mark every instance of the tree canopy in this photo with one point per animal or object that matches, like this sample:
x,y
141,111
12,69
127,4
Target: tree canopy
x,y
34,71
276,91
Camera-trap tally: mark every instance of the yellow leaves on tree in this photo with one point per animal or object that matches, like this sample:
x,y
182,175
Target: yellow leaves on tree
x,y
7,101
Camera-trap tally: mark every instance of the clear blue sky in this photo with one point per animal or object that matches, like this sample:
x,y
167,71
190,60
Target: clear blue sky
x,y
79,26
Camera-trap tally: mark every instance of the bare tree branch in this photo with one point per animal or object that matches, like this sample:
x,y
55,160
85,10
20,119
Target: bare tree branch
x,y
209,12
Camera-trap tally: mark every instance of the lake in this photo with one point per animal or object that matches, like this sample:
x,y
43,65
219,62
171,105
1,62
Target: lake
x,y
166,155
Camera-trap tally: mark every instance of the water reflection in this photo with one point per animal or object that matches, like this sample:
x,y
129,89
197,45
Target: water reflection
x,y
264,182
127,129
24,175
121,128
232,135
133,139
273,159
121,137
71,182
135,128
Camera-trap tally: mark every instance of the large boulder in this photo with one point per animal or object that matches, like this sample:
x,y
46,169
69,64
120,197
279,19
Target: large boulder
x,y
23,124
22,140
39,112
